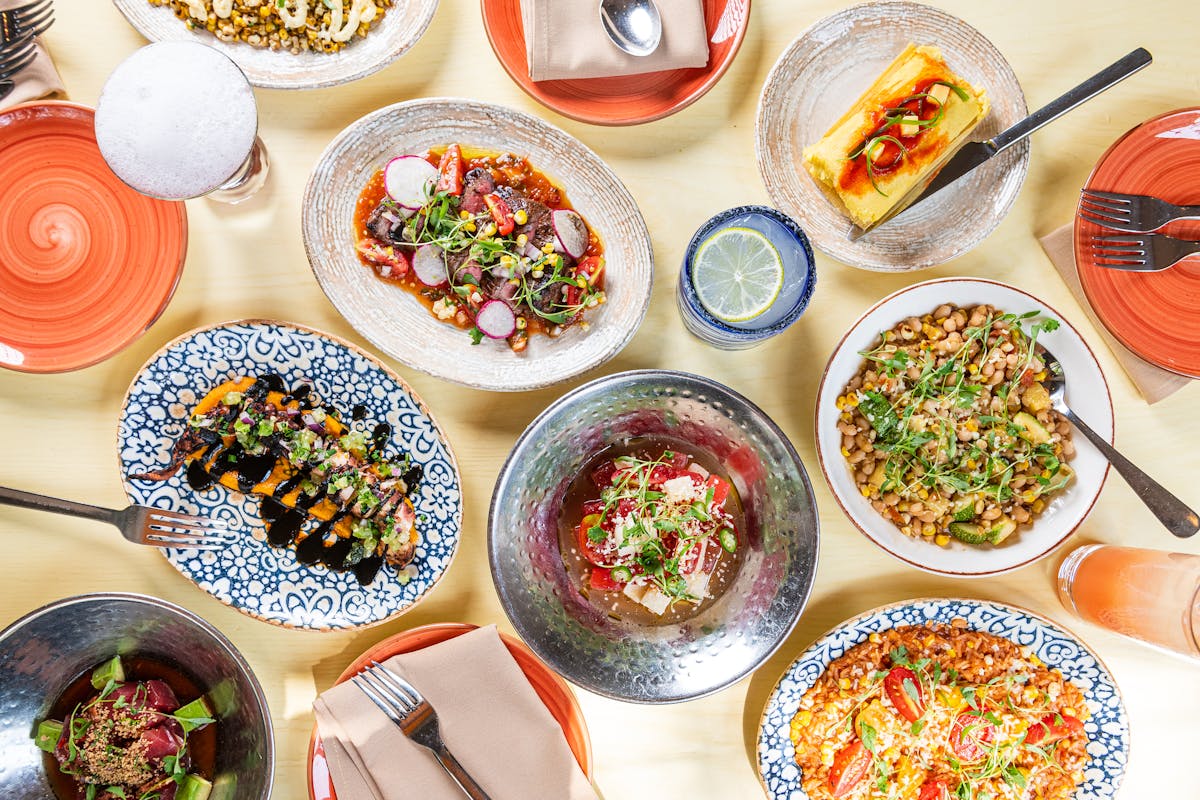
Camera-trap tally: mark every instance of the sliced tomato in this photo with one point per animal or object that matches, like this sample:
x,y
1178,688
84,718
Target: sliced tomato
x,y
720,489
904,690
970,733
593,507
596,552
934,789
602,580
1051,728
451,171
850,766
502,215
590,268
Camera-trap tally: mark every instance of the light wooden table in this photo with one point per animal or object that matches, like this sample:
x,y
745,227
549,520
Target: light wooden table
x,y
59,431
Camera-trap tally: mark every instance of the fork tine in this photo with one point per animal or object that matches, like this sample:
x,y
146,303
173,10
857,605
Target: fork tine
x,y
218,539
14,48
380,685
1111,214
36,26
1112,205
1116,197
36,7
377,699
1104,222
1131,238
166,516
398,683
11,64
1118,261
188,544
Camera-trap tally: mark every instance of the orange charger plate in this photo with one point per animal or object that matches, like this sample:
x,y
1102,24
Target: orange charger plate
x,y
1154,314
627,99
552,690
86,263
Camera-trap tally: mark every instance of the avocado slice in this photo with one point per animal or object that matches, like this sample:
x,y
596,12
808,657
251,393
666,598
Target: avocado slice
x,y
110,670
193,787
49,731
195,714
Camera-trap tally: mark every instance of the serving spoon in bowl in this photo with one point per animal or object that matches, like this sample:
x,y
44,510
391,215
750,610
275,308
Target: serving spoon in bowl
x,y
1170,510
635,26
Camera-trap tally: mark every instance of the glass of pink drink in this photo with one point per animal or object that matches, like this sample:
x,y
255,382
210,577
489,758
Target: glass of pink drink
x,y
1150,595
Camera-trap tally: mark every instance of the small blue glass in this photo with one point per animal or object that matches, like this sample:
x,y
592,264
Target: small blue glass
x,y
799,280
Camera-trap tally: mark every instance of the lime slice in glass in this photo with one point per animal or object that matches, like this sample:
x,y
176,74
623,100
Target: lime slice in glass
x,y
737,274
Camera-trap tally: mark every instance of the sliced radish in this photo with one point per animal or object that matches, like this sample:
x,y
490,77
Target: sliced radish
x,y
429,265
570,233
408,180
496,320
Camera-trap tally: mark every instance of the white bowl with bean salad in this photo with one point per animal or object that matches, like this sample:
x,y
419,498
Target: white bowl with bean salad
x,y
936,435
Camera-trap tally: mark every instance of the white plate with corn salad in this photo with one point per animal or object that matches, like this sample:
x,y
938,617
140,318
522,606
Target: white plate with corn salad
x,y
290,44
981,488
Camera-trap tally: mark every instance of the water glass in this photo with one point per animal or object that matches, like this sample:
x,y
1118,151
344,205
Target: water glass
x,y
799,280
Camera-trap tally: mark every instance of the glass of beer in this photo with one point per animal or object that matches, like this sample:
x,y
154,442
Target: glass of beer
x,y
1149,595
178,120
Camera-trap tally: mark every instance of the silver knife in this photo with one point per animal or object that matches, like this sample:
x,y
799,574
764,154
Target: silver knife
x,y
972,154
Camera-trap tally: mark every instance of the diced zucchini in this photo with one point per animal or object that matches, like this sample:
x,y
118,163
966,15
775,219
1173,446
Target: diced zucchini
x,y
195,714
968,532
1031,429
965,510
1003,528
193,787
49,731
877,475
110,670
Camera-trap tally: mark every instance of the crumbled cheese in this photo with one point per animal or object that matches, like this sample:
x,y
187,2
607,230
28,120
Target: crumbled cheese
x,y
680,490
443,309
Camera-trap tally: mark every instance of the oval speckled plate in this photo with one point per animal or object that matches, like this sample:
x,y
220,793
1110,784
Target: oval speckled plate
x,y
1107,729
390,37
817,79
396,322
263,581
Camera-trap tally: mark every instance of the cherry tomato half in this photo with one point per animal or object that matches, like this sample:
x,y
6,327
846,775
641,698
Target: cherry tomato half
x,y
969,735
600,552
934,789
1052,727
850,766
904,690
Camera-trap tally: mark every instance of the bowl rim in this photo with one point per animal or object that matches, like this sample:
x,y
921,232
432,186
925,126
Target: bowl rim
x,y
1037,617
308,201
221,640
528,635
353,348
822,457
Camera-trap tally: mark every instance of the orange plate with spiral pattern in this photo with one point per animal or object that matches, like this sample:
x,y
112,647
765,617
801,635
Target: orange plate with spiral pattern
x,y
628,99
1154,314
86,263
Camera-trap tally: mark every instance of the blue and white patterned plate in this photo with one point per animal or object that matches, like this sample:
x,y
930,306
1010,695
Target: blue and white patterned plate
x,y
1107,728
253,577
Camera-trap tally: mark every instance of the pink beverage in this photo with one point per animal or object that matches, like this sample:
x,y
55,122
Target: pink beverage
x,y
1149,595
178,120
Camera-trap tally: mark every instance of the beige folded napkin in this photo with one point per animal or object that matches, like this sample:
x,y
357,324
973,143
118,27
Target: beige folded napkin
x,y
40,79
491,719
1153,382
565,39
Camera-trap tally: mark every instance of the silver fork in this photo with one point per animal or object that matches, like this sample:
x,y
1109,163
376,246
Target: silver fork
x,y
1141,252
139,524
16,56
1170,510
1131,213
32,18
404,705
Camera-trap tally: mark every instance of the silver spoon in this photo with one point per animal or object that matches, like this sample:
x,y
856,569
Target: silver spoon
x,y
635,26
1170,510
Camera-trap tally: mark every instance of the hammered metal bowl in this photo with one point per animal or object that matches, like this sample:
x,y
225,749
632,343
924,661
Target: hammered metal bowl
x,y
621,659
44,651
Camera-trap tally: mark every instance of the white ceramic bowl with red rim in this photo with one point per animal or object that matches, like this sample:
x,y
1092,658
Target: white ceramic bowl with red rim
x,y
1087,393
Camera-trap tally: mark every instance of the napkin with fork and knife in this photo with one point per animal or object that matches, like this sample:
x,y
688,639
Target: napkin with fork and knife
x,y
490,717
37,81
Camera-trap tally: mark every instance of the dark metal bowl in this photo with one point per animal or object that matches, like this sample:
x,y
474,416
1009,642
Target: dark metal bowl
x,y
44,651
622,659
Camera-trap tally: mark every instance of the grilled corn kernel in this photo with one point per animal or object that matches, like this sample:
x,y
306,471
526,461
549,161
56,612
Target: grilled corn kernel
x,y
928,529
522,240
521,323
874,638
844,683
942,540
548,248
520,216
469,227
866,491
464,215
803,718
490,230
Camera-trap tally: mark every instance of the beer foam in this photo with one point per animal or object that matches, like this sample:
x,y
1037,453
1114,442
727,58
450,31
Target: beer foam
x,y
176,120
